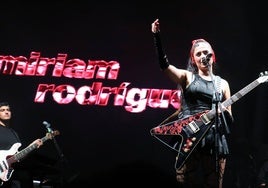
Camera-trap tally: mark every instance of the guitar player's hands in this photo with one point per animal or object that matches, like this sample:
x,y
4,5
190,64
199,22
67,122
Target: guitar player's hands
x,y
3,169
221,108
38,142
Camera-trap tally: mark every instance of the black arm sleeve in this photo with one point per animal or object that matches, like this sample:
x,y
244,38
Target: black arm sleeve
x,y
162,58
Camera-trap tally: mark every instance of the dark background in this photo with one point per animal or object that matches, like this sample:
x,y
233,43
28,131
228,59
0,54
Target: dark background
x,y
108,144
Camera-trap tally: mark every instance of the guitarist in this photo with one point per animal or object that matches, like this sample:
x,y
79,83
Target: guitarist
x,y
196,83
7,138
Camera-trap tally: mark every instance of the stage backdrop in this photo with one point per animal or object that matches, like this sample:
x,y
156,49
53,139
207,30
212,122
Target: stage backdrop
x,y
89,70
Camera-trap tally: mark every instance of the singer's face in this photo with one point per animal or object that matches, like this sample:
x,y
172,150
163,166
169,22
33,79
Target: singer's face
x,y
201,51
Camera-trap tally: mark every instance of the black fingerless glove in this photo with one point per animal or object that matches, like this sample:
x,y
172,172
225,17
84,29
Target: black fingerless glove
x,y
162,58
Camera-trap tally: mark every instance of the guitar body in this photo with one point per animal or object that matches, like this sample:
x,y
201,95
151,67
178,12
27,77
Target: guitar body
x,y
190,130
5,174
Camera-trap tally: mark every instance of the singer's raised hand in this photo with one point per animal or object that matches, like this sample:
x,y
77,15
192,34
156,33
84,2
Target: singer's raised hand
x,y
156,26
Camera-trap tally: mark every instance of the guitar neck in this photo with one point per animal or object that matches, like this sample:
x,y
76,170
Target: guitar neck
x,y
238,95
23,153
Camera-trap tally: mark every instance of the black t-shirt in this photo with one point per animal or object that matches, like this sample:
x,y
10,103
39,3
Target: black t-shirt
x,y
8,138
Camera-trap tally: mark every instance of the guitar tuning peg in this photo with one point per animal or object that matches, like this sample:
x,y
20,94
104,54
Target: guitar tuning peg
x,y
263,73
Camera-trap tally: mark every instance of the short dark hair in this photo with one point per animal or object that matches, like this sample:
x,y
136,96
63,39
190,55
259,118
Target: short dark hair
x,y
4,104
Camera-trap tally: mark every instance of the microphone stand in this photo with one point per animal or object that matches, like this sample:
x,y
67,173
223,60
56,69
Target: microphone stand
x,y
216,100
60,153
56,143
67,174
62,163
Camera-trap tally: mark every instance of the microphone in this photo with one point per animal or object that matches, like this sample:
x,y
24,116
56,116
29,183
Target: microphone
x,y
47,126
205,60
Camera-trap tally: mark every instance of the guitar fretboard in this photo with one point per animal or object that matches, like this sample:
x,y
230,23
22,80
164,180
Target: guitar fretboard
x,y
20,155
238,95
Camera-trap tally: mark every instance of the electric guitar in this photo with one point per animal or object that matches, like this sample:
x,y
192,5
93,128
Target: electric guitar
x,y
8,157
192,129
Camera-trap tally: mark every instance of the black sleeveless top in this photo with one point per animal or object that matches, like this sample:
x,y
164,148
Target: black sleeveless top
x,y
198,97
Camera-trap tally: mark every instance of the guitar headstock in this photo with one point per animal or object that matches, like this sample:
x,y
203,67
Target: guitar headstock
x,y
263,77
50,135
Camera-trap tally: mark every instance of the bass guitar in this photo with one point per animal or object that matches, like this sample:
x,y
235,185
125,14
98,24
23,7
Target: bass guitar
x,y
192,129
8,157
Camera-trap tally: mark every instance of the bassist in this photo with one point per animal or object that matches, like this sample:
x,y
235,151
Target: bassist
x,y
8,137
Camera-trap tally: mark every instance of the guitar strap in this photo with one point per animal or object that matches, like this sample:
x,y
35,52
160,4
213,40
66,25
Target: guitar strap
x,y
229,117
217,81
15,134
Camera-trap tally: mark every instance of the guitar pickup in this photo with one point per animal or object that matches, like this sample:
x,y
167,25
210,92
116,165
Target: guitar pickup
x,y
194,127
205,119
